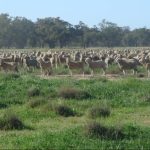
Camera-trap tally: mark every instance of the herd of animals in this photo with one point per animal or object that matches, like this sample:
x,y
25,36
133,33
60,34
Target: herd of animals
x,y
126,59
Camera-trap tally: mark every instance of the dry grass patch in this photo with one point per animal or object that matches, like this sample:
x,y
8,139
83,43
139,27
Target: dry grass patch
x,y
98,130
36,102
64,110
10,121
99,111
73,93
33,91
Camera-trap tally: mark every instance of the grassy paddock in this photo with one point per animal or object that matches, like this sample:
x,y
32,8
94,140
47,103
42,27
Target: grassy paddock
x,y
36,102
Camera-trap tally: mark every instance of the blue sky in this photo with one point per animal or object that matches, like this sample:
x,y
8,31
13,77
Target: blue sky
x,y
133,13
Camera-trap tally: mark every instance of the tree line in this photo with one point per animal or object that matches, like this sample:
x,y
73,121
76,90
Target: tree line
x,y
20,32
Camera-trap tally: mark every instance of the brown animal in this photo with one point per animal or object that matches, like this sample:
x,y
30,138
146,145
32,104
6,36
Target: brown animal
x,y
9,66
127,64
99,64
74,65
46,66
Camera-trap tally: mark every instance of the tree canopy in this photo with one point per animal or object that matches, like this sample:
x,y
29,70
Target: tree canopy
x,y
19,32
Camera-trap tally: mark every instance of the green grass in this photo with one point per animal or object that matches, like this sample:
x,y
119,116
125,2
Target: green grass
x,y
127,97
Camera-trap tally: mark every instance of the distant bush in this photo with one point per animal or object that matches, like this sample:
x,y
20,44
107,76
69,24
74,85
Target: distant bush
x,y
98,130
33,91
73,93
2,105
99,111
64,110
10,121
36,102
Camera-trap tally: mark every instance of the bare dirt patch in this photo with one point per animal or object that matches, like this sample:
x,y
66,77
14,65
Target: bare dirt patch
x,y
88,77
81,77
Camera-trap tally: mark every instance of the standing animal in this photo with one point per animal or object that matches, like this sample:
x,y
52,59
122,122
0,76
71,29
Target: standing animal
x,y
31,62
127,64
99,64
147,66
74,65
46,66
54,60
9,66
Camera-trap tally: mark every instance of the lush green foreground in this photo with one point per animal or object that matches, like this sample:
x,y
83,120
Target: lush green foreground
x,y
34,102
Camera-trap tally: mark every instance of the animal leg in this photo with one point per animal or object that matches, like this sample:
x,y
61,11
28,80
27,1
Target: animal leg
x,y
92,73
56,66
133,72
148,72
70,72
16,69
41,71
124,72
104,73
83,73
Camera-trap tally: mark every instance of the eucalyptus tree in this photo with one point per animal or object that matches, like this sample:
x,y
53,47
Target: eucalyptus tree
x,y
5,22
22,32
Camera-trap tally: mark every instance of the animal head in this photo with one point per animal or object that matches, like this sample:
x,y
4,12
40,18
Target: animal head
x,y
88,60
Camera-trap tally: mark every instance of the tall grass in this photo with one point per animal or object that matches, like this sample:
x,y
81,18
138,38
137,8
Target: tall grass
x,y
127,97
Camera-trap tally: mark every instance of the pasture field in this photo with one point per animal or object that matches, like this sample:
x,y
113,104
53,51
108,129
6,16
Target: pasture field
x,y
71,113
59,111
